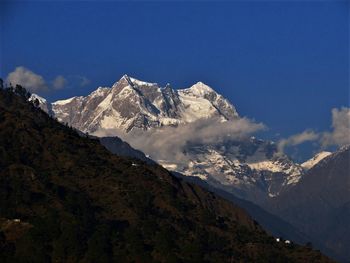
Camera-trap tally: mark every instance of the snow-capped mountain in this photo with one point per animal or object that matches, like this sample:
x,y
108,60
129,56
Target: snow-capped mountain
x,y
314,160
130,104
250,168
42,103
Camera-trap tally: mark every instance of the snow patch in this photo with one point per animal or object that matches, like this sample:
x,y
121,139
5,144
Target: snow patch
x,y
63,102
34,96
142,83
314,160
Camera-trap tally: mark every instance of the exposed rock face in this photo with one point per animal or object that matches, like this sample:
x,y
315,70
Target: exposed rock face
x,y
133,104
251,169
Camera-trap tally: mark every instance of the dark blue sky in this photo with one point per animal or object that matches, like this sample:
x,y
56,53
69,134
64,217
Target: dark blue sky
x,y
282,63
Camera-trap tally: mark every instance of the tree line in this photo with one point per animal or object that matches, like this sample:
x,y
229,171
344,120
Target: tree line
x,y
18,90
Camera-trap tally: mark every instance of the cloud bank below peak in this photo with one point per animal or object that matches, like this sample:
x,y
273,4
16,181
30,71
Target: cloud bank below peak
x,y
169,142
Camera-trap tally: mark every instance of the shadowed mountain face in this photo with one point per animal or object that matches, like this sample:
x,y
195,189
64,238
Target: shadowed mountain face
x,y
319,205
117,146
272,223
65,198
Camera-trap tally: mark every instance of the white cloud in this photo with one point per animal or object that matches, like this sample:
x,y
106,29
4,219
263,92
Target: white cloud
x,y
59,82
340,135
168,143
28,79
84,81
296,139
35,83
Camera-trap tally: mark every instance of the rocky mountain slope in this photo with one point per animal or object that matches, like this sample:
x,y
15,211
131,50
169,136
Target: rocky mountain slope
x,y
117,146
65,198
42,103
250,168
132,104
319,205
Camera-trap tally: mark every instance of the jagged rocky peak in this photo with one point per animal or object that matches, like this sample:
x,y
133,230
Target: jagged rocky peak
x,y
126,80
34,97
100,91
134,104
43,104
203,92
200,89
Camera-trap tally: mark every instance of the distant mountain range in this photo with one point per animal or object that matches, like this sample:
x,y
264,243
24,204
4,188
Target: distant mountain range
x,y
250,168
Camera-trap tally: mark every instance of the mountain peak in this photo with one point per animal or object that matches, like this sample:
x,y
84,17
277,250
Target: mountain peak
x,y
125,77
200,88
131,103
134,81
35,96
43,104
